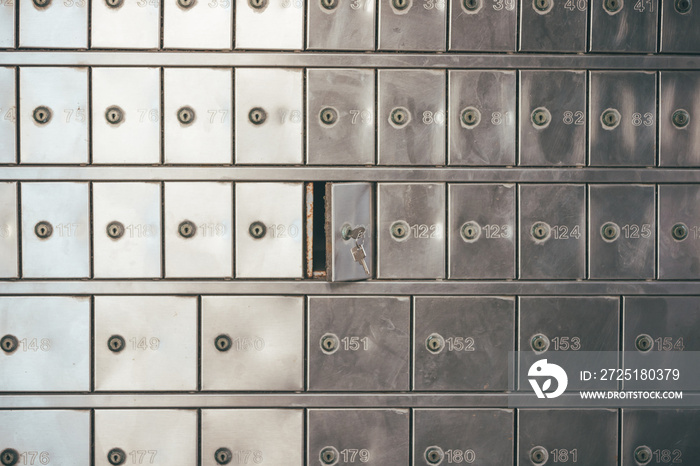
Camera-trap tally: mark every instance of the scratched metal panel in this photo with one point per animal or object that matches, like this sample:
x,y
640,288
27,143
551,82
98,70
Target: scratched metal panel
x,y
671,436
679,122
341,24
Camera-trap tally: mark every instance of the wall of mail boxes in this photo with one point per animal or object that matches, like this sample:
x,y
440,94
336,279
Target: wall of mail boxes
x,y
393,117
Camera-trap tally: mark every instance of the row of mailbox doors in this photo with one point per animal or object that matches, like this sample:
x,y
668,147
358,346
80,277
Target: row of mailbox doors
x,y
424,117
372,437
414,25
187,230
360,343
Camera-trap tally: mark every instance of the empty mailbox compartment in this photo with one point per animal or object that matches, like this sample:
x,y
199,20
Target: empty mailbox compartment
x,y
679,231
679,16
416,25
145,343
462,343
411,116
145,436
189,24
552,118
679,118
482,231
269,234
270,24
552,231
664,436
125,24
480,25
9,234
358,343
53,114
8,112
621,233
198,229
411,230
482,117
625,26
54,24
340,117
46,341
7,25
252,343
127,232
553,26
55,230
375,437
622,118
272,437
481,436
126,115
197,115
269,115
340,25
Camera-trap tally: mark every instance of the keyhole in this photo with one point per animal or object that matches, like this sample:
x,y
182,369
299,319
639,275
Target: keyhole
x,y
43,230
114,3
257,230
329,4
329,455
223,456
400,4
434,343
257,116
434,455
223,343
540,231
116,456
399,117
329,115
186,116
329,343
187,229
42,115
115,344
471,5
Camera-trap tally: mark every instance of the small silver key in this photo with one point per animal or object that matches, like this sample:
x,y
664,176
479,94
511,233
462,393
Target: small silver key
x,y
359,254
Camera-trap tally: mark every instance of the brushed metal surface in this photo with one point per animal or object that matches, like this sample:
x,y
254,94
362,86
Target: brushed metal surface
x,y
8,113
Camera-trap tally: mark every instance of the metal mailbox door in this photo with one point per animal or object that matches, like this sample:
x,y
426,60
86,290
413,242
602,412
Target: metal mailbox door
x,y
375,437
679,231
340,115
553,26
162,437
45,344
416,25
358,343
57,437
126,115
663,436
622,229
349,206
553,118
619,26
462,436
341,25
269,231
679,16
273,437
198,25
53,115
269,115
197,115
679,125
480,25
54,24
145,343
126,219
253,343
622,118
482,109
55,230
411,230
198,229
411,128
666,324
9,234
482,231
552,233
8,112
125,24
587,436
7,25
270,24
462,343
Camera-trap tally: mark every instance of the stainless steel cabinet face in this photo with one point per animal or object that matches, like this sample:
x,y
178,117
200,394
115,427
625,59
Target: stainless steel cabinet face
x,y
679,16
679,231
55,230
553,118
373,436
622,119
272,437
340,117
269,115
58,25
50,351
668,436
411,117
482,231
8,112
553,25
411,230
621,234
679,118
483,26
269,230
145,343
126,115
341,24
125,24
358,343
252,343
270,24
480,436
670,323
198,114
462,343
145,436
126,237
53,114
9,264
56,437
198,229
482,114
588,435
418,25
198,25
7,25
624,26
552,231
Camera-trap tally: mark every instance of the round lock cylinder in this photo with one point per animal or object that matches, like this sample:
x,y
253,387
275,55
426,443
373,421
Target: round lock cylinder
x,y
470,117
400,230
9,457
540,118
187,229
116,344
539,343
399,117
434,455
9,344
680,118
186,116
41,3
471,6
115,230
401,5
642,455
683,6
257,116
114,115
329,4
610,232
257,230
540,231
114,3
186,4
329,456
328,115
610,118
435,343
539,455
612,6
116,456
644,343
42,115
542,6
329,343
679,231
470,232
223,456
257,4
223,343
43,229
